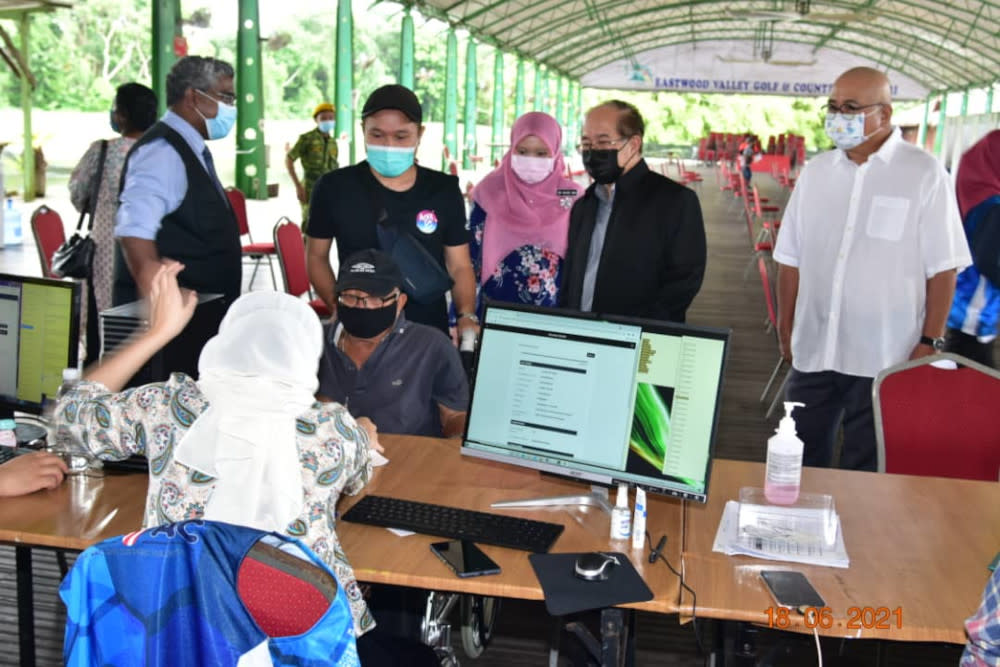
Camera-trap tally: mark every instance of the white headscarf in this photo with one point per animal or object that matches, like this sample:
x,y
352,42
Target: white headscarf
x,y
258,373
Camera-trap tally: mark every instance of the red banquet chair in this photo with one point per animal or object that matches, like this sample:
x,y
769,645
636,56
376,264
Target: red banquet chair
x,y
254,251
938,422
292,260
47,228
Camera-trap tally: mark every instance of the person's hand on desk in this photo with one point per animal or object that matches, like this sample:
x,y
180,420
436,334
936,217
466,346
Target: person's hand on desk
x,y
369,426
31,472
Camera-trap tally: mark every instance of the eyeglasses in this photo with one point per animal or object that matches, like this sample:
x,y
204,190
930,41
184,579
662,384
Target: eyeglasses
x,y
355,301
848,107
601,144
225,98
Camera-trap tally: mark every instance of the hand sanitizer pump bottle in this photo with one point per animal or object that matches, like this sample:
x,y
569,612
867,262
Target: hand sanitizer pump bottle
x,y
783,473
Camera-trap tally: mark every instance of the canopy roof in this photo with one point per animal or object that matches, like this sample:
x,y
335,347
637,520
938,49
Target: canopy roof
x,y
11,7
924,45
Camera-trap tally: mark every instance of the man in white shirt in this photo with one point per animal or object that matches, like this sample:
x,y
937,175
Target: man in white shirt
x,y
867,256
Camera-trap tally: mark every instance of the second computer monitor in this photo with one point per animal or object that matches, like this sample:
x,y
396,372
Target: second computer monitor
x,y
605,399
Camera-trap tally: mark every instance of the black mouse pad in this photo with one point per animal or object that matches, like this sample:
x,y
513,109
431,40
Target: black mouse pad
x,y
565,593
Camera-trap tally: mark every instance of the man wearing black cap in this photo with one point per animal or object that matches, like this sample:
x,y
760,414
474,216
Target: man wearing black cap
x,y
404,376
390,191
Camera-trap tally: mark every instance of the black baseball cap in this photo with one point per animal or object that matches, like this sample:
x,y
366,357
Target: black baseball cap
x,y
370,271
394,96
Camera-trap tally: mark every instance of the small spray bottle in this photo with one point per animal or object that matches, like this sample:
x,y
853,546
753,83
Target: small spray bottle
x,y
621,521
783,474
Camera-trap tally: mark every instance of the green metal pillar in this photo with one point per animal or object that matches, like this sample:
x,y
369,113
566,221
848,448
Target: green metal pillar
x,y
406,51
560,117
451,100
469,124
345,74
569,129
251,160
989,98
27,98
942,116
538,104
496,137
166,26
922,134
519,89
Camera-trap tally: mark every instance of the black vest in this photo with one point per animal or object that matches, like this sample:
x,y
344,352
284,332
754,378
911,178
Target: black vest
x,y
202,233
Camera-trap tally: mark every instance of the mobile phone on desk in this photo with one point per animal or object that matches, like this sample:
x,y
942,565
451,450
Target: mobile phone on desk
x,y
791,589
464,558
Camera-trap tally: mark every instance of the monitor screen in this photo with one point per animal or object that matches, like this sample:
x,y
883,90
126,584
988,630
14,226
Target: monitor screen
x,y
39,338
603,399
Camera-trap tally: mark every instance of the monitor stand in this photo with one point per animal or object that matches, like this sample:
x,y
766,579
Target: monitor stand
x,y
593,499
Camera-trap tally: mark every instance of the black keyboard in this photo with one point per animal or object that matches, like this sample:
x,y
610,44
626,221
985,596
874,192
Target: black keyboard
x,y
7,453
455,523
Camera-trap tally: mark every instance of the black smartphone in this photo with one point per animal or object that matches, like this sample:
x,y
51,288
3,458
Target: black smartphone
x,y
791,589
465,558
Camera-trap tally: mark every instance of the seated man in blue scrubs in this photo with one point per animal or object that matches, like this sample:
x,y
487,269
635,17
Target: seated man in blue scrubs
x,y
404,376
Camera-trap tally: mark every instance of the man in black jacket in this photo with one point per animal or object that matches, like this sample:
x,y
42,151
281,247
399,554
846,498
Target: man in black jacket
x,y
636,238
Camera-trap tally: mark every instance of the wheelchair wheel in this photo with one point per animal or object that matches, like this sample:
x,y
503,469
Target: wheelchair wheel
x,y
479,617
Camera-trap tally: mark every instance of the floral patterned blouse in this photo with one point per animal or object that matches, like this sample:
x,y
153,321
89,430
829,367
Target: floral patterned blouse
x,y
530,274
152,419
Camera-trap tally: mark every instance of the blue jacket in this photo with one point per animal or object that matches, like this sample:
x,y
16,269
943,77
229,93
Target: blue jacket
x,y
976,306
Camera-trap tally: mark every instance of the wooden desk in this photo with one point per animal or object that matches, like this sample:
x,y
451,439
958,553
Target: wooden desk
x,y
431,470
919,543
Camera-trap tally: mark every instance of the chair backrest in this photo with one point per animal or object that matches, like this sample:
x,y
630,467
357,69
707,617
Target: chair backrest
x,y
939,422
291,256
239,203
47,228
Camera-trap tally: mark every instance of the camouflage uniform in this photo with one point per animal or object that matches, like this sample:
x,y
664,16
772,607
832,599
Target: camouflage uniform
x,y
318,154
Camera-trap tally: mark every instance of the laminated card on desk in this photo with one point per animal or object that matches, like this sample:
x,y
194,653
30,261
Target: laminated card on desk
x,y
783,545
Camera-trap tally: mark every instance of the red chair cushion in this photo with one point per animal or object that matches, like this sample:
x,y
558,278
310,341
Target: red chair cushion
x,y
282,605
940,422
762,246
258,249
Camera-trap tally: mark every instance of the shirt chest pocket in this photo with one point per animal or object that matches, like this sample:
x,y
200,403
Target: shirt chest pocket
x,y
887,217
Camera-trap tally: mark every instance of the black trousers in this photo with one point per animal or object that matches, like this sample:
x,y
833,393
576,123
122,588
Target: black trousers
x,y
969,346
834,400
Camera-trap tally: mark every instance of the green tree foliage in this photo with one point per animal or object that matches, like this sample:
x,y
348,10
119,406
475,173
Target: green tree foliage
x,y
80,57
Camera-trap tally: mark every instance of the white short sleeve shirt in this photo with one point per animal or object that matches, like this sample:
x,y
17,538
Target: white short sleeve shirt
x,y
865,239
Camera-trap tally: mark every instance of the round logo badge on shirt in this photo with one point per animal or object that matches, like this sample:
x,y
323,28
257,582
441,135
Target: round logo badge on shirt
x,y
427,221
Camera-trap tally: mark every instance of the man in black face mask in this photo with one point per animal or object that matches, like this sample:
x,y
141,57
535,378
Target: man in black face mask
x,y
636,238
406,377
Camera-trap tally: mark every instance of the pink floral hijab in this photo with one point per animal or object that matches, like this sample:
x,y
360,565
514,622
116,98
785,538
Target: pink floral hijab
x,y
519,213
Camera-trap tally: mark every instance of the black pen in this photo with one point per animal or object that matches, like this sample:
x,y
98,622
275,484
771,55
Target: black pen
x,y
655,553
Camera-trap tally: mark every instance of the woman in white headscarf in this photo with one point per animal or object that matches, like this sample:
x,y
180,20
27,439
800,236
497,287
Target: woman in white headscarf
x,y
245,444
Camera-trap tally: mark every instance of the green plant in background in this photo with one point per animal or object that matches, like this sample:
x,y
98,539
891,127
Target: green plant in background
x,y
650,425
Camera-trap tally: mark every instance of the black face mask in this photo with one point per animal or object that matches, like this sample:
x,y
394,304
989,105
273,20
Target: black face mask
x,y
366,322
602,165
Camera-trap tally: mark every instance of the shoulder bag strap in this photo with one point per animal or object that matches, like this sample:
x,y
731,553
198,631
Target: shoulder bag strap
x,y
95,191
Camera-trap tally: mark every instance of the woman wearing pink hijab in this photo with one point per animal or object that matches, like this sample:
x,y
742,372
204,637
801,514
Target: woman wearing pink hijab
x,y
975,308
520,216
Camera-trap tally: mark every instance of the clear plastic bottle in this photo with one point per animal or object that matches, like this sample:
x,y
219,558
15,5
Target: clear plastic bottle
x,y
12,234
783,473
621,520
61,441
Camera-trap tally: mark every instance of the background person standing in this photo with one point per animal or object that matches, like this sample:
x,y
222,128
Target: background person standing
x,y
317,151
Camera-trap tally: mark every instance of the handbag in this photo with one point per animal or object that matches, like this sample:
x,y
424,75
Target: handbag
x,y
75,257
424,279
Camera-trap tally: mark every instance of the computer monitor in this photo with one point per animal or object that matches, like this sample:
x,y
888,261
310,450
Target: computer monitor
x,y
39,338
603,399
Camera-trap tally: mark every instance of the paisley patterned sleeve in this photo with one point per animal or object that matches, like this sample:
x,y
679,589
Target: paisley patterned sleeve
x,y
114,426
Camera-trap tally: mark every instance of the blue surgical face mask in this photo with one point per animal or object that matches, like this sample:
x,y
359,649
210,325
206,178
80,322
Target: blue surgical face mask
x,y
223,122
114,126
327,126
847,130
390,161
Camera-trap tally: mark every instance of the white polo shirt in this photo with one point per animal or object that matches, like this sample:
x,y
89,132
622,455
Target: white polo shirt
x,y
865,239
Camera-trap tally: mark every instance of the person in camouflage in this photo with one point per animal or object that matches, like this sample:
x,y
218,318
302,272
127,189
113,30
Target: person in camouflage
x,y
317,151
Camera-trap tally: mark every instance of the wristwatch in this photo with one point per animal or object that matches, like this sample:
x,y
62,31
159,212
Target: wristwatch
x,y
936,343
469,316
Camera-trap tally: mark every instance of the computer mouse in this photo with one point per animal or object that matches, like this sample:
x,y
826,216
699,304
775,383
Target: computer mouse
x,y
595,566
